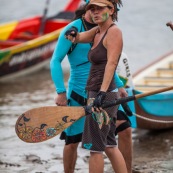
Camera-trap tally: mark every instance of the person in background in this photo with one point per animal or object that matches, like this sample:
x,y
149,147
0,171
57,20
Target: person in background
x,y
76,95
170,24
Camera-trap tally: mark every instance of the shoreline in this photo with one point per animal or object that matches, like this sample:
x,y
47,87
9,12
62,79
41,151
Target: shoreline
x,y
152,150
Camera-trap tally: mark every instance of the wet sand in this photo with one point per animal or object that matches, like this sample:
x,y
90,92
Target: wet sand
x,y
153,151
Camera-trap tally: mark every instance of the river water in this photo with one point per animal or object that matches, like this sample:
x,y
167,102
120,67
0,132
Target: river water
x,y
146,37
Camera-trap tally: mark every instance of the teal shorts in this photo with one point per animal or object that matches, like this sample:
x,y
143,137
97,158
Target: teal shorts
x,y
73,134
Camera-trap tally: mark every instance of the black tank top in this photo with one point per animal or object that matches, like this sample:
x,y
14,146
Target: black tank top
x,y
98,59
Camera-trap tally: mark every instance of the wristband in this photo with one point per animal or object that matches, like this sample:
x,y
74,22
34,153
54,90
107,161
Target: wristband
x,y
61,92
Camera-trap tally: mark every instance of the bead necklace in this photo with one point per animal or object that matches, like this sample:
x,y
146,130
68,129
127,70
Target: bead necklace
x,y
84,24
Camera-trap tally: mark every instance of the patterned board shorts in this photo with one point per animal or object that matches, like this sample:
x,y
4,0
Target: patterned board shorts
x,y
94,138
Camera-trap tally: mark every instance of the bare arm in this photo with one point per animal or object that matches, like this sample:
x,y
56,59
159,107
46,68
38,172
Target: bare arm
x,y
83,37
113,43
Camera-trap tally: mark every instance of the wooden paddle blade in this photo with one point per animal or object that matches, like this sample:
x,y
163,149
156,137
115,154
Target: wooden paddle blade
x,y
43,123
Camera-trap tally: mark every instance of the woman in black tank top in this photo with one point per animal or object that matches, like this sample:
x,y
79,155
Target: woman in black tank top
x,y
104,56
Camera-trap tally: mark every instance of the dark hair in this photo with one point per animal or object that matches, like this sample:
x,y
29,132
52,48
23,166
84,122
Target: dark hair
x,y
115,4
80,12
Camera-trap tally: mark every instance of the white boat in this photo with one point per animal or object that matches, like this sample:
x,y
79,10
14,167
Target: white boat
x,y
155,112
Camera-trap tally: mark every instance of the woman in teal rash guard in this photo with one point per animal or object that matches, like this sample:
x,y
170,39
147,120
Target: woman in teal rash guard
x,y
75,95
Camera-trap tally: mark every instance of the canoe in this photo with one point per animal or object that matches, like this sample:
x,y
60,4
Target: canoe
x,y
155,112
24,49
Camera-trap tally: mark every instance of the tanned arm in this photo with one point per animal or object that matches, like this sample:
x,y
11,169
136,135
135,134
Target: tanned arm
x,y
113,43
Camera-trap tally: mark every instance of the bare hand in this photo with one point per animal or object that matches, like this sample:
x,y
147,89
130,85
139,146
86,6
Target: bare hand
x,y
122,92
61,99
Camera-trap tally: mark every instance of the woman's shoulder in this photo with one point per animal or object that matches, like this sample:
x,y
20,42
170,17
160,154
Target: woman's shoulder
x,y
114,30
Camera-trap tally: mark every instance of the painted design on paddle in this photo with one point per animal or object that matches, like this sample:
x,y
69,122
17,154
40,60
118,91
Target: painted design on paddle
x,y
38,134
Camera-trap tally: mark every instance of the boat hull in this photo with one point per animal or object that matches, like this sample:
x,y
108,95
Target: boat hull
x,y
23,49
152,122
20,59
155,112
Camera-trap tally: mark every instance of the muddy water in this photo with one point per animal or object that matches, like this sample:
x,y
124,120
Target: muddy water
x,y
153,151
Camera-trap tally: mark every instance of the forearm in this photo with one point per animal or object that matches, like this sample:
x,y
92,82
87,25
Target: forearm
x,y
84,37
57,76
55,63
108,75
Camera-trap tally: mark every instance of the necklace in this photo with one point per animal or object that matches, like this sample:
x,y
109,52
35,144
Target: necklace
x,y
84,24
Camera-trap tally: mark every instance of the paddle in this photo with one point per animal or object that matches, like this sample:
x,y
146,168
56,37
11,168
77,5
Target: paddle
x,y
43,20
43,123
137,96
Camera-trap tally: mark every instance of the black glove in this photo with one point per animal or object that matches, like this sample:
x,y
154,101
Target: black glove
x,y
99,99
127,109
69,31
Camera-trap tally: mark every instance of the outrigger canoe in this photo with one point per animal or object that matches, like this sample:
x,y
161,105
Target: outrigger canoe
x,y
155,112
24,49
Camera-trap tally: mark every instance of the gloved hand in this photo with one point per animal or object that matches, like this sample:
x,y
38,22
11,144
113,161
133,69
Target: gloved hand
x,y
99,99
71,32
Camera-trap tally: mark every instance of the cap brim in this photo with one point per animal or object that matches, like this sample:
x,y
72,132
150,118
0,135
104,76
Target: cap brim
x,y
96,3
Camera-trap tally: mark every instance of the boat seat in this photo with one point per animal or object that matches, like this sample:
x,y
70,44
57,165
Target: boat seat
x,y
148,87
164,71
171,65
159,80
8,43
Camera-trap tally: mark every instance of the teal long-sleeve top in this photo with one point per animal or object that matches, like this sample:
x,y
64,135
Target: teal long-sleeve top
x,y
78,60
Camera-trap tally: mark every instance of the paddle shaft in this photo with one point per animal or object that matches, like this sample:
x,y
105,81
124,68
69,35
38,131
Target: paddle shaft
x,y
153,92
131,98
41,124
43,20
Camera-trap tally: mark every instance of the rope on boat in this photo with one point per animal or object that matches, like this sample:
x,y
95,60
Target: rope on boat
x,y
152,120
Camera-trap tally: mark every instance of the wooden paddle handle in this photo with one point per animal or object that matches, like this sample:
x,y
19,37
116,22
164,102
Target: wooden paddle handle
x,y
40,124
153,92
134,97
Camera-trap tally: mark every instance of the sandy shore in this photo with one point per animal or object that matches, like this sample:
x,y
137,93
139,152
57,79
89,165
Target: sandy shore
x,y
153,153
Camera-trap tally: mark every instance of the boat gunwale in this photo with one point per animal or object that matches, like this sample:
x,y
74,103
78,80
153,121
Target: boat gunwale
x,y
44,38
141,70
